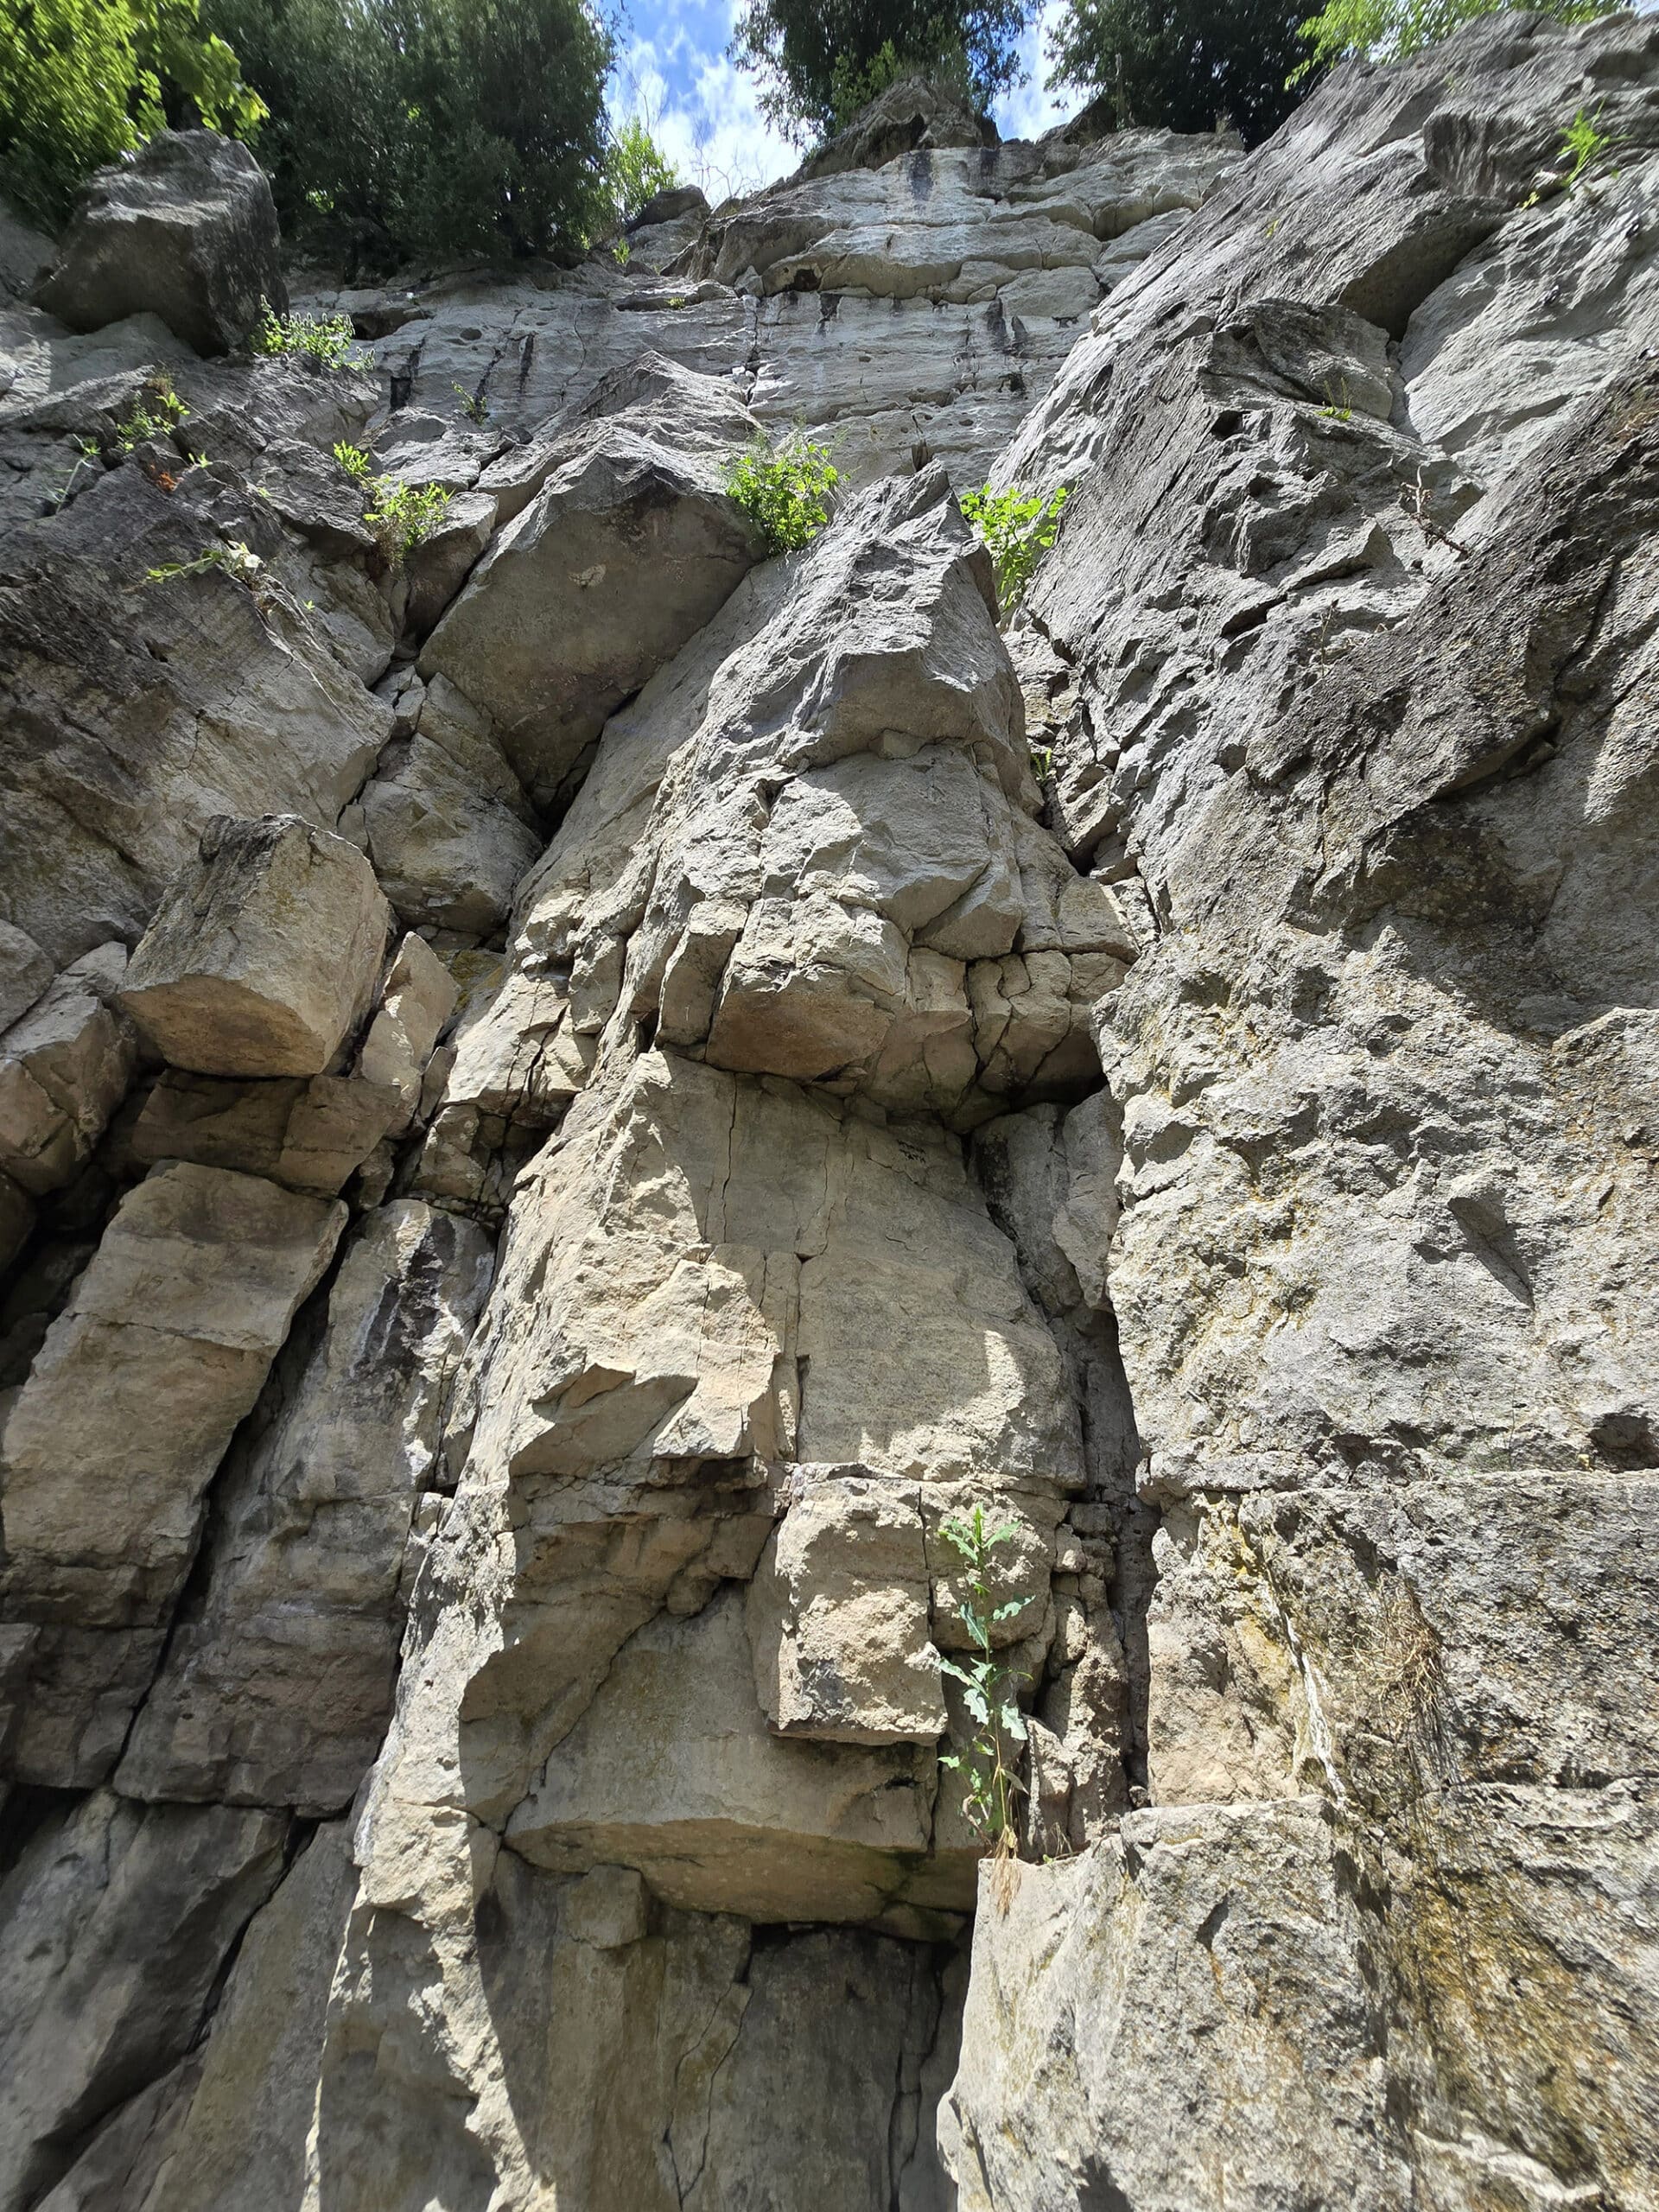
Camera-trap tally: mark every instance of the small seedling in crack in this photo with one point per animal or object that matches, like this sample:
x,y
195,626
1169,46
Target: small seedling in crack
x,y
986,1762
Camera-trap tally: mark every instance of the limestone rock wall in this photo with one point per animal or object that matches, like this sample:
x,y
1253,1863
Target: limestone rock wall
x,y
567,1099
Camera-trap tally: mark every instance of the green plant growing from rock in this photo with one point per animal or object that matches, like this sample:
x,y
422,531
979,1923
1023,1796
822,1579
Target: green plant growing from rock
x,y
235,558
786,491
1584,146
474,405
986,1764
156,413
324,341
400,515
1016,528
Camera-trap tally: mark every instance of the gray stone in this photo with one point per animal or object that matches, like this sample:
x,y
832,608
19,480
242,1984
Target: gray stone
x,y
186,229
64,1069
116,1921
629,546
263,956
277,1688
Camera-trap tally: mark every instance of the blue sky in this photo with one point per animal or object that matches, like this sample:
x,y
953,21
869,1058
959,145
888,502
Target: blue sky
x,y
673,70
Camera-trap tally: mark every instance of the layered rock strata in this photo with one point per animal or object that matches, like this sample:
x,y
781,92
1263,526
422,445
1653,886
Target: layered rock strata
x,y
569,1100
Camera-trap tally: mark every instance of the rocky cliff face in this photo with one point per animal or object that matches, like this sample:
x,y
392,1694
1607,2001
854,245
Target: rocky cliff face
x,y
568,1100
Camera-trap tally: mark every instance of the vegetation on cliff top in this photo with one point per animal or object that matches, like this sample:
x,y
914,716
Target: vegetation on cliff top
x,y
1192,65
819,61
447,127
83,81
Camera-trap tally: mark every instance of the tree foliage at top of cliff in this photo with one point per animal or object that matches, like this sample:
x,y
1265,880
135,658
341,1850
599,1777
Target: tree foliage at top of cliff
x,y
818,61
1387,30
82,81
441,127
1186,63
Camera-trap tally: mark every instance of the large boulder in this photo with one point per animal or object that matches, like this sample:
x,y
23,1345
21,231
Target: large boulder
x,y
629,546
186,228
263,955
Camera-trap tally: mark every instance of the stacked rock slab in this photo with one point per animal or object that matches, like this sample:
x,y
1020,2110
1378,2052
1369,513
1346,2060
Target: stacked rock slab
x,y
565,1102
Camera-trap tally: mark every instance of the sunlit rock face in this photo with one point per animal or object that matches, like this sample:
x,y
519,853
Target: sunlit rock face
x,y
573,1098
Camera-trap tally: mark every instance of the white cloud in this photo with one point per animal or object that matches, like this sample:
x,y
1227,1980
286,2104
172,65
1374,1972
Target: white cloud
x,y
1028,110
703,112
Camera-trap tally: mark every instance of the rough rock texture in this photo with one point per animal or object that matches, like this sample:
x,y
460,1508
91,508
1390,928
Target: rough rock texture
x,y
686,1080
629,542
260,959
925,299
185,229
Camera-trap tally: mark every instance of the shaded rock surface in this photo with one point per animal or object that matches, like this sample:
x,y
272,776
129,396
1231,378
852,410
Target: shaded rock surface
x,y
185,229
681,1081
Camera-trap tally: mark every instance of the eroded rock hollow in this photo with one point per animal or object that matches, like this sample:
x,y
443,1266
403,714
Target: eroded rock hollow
x,y
570,1102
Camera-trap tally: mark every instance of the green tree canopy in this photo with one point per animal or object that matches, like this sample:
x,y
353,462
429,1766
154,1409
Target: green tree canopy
x,y
430,126
818,60
82,81
1186,63
1387,30
636,167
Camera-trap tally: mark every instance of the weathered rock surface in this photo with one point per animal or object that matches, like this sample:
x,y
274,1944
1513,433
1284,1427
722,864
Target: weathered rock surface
x,y
261,958
278,1691
928,299
107,1450
185,229
482,1645
628,546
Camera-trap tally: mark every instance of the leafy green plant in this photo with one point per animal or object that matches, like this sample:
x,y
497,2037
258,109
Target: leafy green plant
x,y
1339,410
1585,145
83,81
235,559
326,340
986,1764
402,514
399,515
786,491
621,252
636,168
1016,527
156,413
474,405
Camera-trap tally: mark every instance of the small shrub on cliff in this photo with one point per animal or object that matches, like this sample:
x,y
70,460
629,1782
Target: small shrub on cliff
x,y
400,515
990,1787
785,491
1584,146
156,413
325,341
1016,527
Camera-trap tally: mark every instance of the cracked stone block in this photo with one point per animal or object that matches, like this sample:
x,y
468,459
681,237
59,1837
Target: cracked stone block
x,y
64,1069
263,955
838,1616
108,1447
